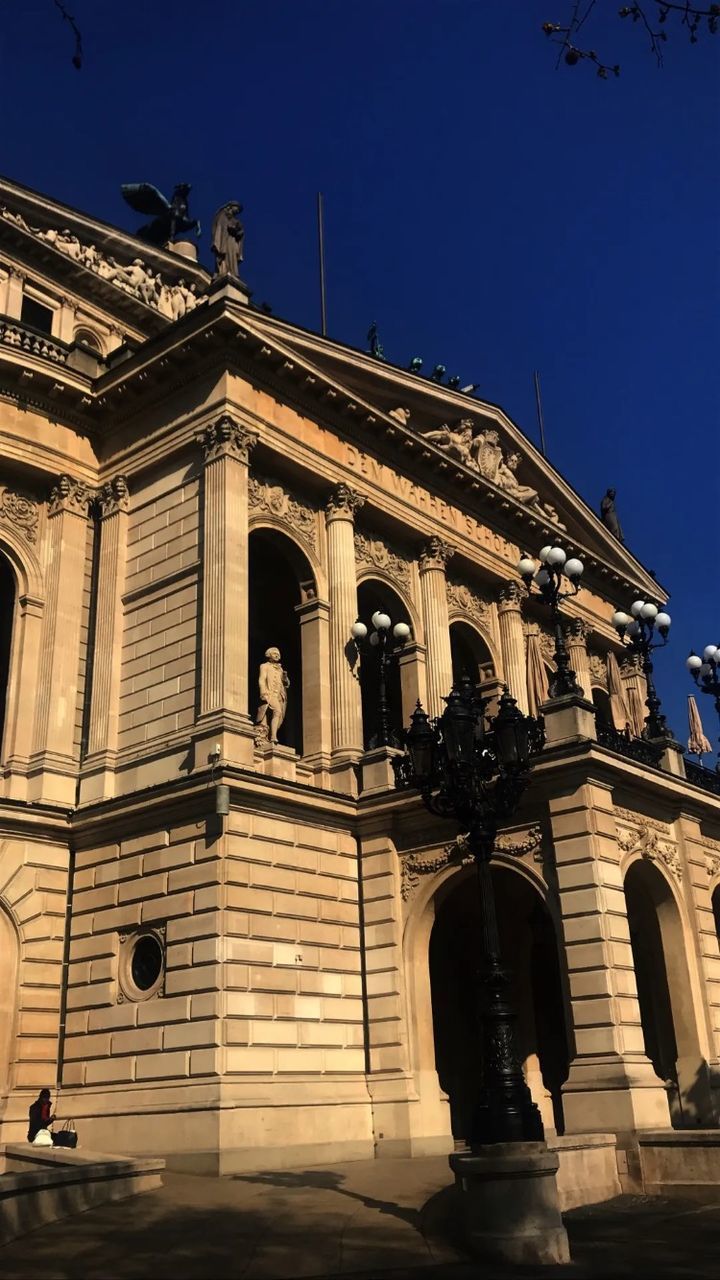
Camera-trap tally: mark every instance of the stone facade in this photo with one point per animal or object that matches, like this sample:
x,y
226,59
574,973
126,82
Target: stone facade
x,y
167,511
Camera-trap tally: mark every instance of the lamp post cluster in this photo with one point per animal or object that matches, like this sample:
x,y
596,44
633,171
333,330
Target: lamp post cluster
x,y
548,577
705,672
475,770
638,631
379,640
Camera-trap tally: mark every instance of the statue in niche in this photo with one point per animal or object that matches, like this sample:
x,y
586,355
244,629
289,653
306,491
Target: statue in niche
x,y
228,239
273,684
457,440
609,516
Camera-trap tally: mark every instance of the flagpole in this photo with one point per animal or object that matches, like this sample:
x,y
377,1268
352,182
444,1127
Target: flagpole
x,y
321,255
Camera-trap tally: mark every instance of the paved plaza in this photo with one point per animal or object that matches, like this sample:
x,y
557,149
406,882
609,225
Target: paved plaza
x,y
367,1219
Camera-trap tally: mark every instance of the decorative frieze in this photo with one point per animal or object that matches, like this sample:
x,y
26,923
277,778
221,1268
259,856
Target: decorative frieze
x,y
465,600
70,495
456,854
375,553
598,669
227,438
21,512
435,554
269,497
645,838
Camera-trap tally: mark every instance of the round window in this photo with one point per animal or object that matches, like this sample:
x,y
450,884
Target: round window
x,y
141,968
147,962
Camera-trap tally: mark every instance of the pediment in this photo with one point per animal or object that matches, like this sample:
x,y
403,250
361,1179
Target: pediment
x,y
134,288
474,445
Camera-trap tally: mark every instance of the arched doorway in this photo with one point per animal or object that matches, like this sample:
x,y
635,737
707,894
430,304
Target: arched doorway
x,y
9,964
601,702
374,595
7,614
667,1009
529,950
280,582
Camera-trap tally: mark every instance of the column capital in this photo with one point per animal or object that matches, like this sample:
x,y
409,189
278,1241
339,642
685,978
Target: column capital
x,y
70,495
227,438
577,629
510,596
114,496
435,554
343,503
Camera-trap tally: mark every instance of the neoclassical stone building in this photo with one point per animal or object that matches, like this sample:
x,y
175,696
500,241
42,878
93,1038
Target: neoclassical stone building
x,y
242,954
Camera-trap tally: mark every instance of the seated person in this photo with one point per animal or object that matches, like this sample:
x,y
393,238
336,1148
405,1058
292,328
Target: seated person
x,y
39,1115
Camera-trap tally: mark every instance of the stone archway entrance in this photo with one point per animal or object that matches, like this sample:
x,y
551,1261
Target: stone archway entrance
x,y
529,948
667,1009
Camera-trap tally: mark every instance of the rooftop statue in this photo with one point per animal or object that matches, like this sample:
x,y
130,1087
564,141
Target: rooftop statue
x,y
169,217
228,239
609,516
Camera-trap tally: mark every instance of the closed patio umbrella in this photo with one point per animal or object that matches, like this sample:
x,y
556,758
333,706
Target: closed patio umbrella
x,y
537,677
621,715
698,744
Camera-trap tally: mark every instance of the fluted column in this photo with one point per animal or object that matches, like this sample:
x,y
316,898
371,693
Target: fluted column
x,y
113,504
576,634
224,670
59,670
340,512
434,557
512,642
635,691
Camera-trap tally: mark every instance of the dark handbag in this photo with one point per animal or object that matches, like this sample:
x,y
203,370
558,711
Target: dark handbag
x,y
67,1136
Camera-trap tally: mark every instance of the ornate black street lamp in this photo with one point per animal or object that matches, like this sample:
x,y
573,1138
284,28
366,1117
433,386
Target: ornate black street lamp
x,y
388,653
548,579
637,630
475,770
705,672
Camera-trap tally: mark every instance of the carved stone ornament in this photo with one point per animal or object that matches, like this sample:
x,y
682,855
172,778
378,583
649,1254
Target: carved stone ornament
x,y
481,451
375,553
713,865
20,511
435,554
268,496
171,300
227,438
114,496
577,630
343,503
645,839
598,669
510,595
69,495
465,600
457,854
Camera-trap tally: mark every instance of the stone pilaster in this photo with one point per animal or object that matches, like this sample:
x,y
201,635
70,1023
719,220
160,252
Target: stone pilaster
x,y
224,716
576,634
512,642
635,691
113,504
347,737
434,558
54,761
612,1086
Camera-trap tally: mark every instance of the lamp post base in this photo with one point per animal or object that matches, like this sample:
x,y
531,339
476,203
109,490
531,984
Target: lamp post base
x,y
509,1203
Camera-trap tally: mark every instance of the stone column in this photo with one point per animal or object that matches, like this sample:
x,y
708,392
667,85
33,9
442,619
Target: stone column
x,y
313,616
24,668
512,642
347,736
576,633
113,502
434,557
224,719
612,1086
54,760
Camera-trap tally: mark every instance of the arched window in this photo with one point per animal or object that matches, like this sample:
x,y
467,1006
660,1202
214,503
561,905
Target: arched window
x,y
374,595
7,613
601,702
279,579
88,338
470,654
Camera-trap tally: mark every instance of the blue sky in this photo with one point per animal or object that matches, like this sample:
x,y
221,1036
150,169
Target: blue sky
x,y
489,212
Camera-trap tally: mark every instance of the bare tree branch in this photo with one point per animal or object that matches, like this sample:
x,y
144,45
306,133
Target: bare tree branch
x,y
694,18
77,57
